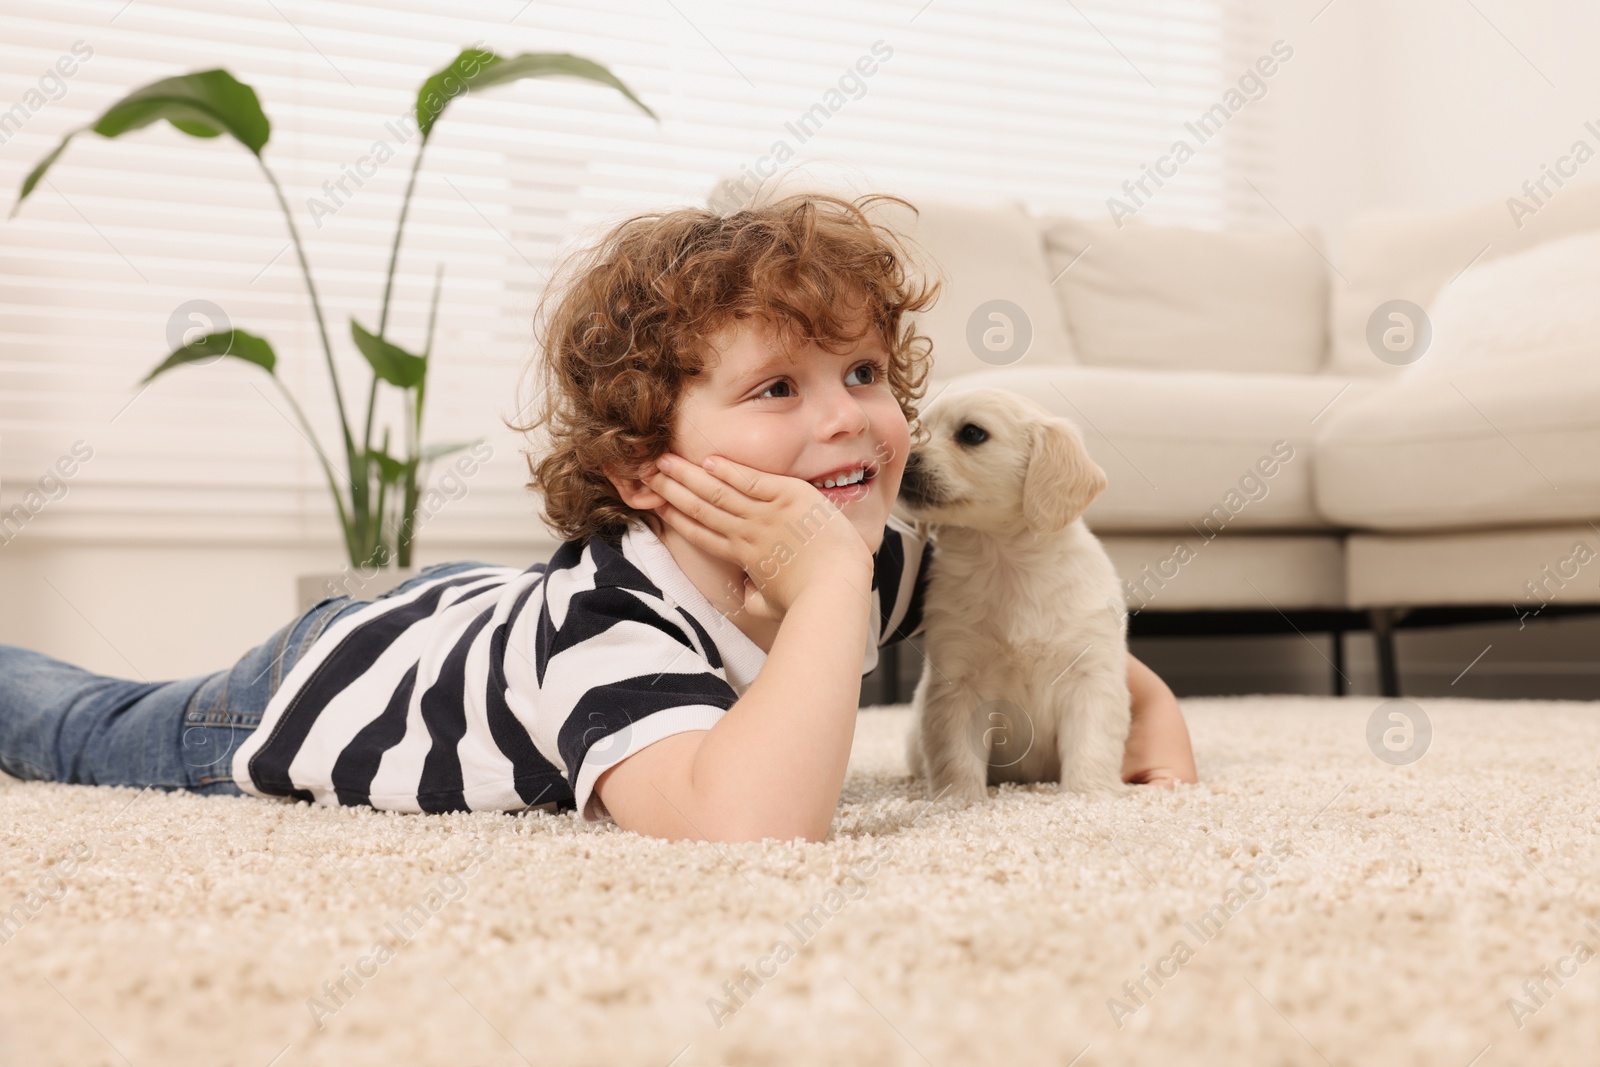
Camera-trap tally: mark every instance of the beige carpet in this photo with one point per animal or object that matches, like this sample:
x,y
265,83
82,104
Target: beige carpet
x,y
1410,906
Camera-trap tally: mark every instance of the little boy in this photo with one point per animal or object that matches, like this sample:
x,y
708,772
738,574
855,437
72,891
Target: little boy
x,y
728,402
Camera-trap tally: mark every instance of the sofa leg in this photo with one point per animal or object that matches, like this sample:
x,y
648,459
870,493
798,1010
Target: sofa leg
x,y
1338,663
1382,620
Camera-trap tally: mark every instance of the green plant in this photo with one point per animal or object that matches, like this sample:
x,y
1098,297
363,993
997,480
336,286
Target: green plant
x,y
379,518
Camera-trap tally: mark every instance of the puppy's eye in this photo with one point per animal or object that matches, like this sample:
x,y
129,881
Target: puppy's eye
x,y
972,434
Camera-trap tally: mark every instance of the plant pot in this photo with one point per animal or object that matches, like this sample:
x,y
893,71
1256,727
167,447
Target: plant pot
x,y
351,582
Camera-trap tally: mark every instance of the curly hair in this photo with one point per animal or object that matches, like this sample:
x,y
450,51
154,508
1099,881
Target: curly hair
x,y
626,325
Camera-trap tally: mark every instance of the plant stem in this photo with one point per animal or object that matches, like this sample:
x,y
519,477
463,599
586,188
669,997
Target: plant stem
x,y
358,486
414,459
388,282
316,304
316,446
427,349
383,494
408,509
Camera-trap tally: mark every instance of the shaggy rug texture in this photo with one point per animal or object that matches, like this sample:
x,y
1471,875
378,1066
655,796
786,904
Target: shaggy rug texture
x,y
1310,902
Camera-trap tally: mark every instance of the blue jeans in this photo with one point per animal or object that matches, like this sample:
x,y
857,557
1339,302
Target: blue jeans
x,y
60,723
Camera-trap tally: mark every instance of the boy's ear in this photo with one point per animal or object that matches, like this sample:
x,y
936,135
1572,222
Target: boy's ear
x,y
634,492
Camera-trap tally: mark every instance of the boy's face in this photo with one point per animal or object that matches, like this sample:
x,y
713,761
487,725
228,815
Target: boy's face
x,y
806,414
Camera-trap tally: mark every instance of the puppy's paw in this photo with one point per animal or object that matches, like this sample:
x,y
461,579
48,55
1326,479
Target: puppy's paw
x,y
914,762
959,793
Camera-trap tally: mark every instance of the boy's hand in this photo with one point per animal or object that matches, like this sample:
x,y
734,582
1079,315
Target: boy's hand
x,y
781,531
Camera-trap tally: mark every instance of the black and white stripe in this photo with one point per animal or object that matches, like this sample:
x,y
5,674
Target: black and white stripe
x,y
499,689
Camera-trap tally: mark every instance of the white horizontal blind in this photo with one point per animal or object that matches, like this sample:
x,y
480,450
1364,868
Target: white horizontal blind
x,y
1055,104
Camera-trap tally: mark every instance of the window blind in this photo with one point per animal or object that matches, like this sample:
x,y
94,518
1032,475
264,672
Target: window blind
x,y
1054,104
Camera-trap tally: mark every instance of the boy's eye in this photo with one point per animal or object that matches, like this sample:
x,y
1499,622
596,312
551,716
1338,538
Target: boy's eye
x,y
873,371
874,374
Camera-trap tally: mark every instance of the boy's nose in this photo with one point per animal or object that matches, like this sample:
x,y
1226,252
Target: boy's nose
x,y
845,414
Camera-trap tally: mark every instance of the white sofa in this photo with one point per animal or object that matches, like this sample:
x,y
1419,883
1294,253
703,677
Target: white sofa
x,y
1454,487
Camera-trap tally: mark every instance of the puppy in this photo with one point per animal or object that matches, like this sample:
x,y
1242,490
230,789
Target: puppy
x,y
1024,628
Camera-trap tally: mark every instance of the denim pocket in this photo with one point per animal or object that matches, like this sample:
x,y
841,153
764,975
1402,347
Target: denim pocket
x,y
223,712
207,753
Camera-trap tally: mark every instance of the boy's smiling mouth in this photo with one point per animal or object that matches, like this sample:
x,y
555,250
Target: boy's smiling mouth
x,y
844,485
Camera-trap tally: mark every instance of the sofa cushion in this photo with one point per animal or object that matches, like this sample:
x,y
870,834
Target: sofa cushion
x,y
1540,302
1384,256
1183,299
987,257
1200,451
1479,443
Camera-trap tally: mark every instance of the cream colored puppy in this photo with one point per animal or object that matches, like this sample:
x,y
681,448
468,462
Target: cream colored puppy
x,y
1026,639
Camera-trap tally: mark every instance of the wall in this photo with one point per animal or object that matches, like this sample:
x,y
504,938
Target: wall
x,y
1427,104
156,612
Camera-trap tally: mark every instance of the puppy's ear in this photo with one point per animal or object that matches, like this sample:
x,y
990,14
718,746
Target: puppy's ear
x,y
1061,481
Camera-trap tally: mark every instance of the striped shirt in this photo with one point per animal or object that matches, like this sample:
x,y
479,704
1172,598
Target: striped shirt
x,y
498,689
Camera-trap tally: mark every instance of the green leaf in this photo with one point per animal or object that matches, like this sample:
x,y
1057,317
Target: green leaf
x,y
234,343
389,361
206,104
194,127
38,172
433,452
476,68
391,471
